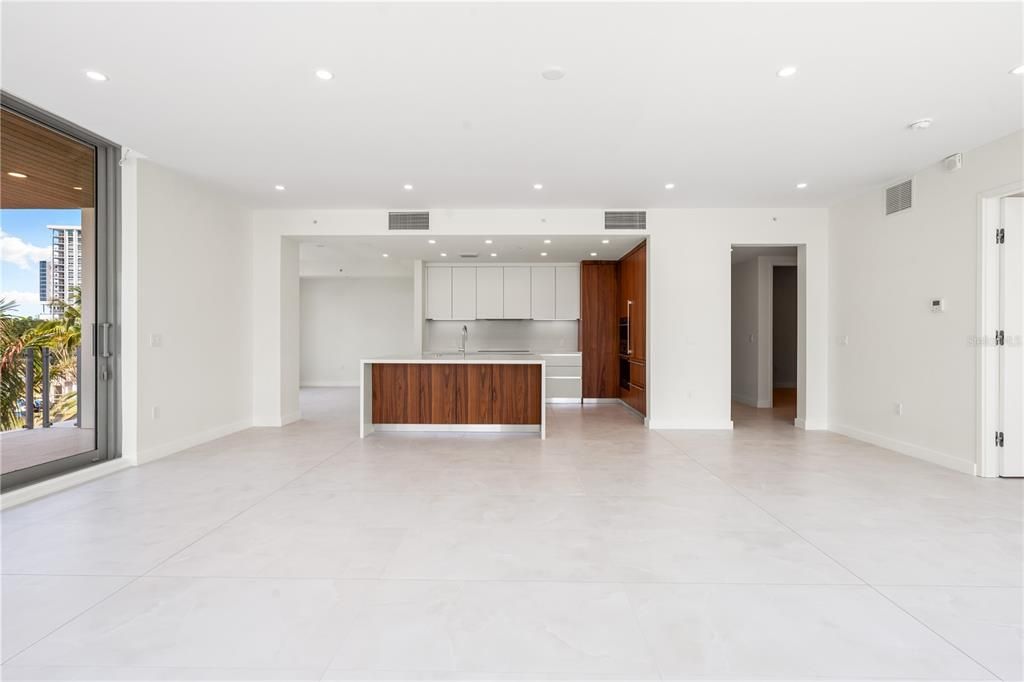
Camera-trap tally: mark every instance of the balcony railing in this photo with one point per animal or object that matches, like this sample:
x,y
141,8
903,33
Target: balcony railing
x,y
43,406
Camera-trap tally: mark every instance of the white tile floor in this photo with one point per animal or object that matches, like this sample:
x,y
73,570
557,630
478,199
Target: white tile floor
x,y
605,552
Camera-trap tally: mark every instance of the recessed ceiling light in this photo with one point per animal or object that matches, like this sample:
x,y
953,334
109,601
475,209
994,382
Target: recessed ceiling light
x,y
494,255
77,188
605,241
407,188
547,241
431,241
279,188
444,255
1017,70
543,253
324,74
801,185
786,71
96,76
488,241
538,186
553,73
670,185
593,253
15,174
385,255
921,124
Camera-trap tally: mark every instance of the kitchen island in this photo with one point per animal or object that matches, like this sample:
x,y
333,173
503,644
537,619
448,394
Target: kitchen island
x,y
476,392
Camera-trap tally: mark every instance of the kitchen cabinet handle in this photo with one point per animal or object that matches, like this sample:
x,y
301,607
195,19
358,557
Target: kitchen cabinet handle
x,y
629,327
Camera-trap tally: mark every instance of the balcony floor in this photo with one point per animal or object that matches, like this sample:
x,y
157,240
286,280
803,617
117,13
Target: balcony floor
x,y
27,447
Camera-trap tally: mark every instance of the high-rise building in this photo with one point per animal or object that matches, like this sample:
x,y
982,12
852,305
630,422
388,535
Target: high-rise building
x,y
65,265
44,284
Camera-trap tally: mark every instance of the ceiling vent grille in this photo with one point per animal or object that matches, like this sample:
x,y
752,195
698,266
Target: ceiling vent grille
x,y
899,197
469,255
625,220
408,220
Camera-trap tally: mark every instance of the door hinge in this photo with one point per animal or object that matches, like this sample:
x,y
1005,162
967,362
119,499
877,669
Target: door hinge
x,y
1000,235
999,439
1000,338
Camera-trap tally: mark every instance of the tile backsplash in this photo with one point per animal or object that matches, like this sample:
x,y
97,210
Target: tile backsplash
x,y
547,336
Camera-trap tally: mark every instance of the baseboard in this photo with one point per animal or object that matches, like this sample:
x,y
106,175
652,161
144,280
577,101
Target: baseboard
x,y
192,440
800,423
905,448
330,384
290,418
691,426
58,483
763,404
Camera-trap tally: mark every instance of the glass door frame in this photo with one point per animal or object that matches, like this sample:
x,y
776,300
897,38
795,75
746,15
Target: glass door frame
x,y
106,330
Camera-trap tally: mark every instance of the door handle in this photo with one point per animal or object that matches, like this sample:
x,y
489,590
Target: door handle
x,y
104,340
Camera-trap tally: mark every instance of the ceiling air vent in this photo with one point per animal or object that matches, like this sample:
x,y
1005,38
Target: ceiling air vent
x,y
898,197
408,220
469,255
625,220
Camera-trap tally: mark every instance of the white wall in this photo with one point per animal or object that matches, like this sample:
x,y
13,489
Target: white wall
x,y
345,319
689,274
689,335
744,332
188,311
884,272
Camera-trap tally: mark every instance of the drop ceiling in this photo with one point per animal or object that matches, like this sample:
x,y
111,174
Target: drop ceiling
x,y
364,256
450,98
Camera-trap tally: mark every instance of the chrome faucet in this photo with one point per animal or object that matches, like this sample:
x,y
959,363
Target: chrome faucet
x,y
464,339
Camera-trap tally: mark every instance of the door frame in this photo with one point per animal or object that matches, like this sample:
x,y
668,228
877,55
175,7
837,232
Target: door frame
x,y
108,296
987,418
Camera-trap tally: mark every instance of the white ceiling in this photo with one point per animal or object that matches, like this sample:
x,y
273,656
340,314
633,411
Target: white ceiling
x,y
450,97
364,256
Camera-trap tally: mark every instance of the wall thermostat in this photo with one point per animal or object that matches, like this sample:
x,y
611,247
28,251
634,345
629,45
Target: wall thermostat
x,y
938,305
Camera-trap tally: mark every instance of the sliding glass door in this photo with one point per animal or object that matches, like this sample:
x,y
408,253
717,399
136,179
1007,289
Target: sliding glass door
x,y
59,199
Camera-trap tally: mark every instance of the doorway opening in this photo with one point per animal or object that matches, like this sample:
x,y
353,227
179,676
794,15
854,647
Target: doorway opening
x,y
58,313
766,347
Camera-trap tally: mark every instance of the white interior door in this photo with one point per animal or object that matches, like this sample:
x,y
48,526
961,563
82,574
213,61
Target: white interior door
x,y
1011,322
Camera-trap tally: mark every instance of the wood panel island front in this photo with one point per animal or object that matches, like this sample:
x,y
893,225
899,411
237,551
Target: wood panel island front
x,y
453,392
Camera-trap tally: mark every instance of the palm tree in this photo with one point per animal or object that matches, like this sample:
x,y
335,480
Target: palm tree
x,y
61,336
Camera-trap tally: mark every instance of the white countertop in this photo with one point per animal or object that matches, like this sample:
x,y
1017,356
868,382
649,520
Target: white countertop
x,y
458,359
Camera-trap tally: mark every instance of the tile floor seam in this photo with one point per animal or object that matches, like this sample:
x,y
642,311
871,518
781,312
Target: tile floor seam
x,y
850,571
135,579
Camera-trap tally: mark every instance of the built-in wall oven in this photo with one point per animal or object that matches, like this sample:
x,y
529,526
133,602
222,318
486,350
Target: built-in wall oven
x,y
624,336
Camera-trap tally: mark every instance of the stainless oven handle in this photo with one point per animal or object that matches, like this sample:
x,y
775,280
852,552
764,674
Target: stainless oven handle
x,y
629,323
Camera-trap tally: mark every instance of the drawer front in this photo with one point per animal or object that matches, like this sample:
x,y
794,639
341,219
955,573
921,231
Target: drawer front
x,y
563,388
563,360
638,374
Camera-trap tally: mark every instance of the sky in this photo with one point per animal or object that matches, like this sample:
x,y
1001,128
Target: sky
x,y
24,241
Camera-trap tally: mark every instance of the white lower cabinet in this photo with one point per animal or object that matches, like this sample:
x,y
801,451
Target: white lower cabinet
x,y
563,377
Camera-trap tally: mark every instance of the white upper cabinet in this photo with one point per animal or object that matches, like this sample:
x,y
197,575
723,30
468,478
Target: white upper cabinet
x,y
543,294
489,293
567,292
463,293
439,293
517,304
